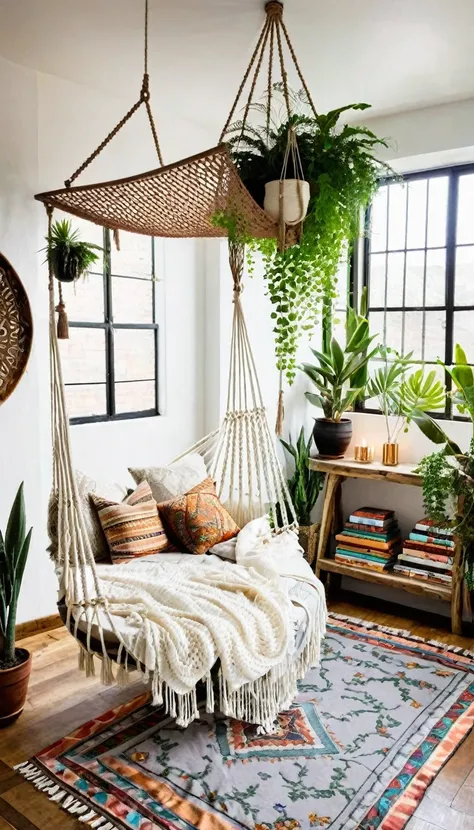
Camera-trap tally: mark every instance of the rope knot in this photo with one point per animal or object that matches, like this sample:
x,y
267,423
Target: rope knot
x,y
145,90
274,9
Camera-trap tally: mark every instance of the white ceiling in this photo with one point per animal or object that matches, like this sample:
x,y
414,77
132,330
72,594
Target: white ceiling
x,y
394,54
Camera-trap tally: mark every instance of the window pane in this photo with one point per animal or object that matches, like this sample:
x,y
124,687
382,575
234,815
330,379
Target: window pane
x,y
378,230
134,397
413,334
85,299
414,278
464,332
435,335
397,216
416,233
388,327
135,256
377,265
134,354
132,300
437,211
465,224
464,278
435,277
83,355
86,401
395,269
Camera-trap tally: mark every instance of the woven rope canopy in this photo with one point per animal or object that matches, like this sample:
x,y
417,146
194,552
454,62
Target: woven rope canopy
x,y
180,199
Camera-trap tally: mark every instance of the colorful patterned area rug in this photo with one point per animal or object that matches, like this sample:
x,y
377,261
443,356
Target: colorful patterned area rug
x,y
367,734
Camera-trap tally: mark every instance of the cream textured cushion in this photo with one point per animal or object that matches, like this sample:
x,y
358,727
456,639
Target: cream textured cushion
x,y
174,480
86,486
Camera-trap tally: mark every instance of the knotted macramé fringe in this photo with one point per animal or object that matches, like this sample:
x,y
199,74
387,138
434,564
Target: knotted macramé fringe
x,y
257,702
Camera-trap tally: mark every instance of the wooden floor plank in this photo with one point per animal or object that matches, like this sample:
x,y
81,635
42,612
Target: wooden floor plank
x,y
61,699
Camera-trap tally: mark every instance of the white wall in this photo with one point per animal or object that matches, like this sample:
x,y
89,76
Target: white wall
x,y
48,127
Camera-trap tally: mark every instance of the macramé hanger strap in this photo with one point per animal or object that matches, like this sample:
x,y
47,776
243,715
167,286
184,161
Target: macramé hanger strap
x,y
143,99
271,32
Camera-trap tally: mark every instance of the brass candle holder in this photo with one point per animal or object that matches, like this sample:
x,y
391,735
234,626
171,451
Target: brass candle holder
x,y
364,454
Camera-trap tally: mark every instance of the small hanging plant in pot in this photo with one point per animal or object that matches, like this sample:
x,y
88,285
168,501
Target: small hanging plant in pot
x,y
15,663
334,376
70,257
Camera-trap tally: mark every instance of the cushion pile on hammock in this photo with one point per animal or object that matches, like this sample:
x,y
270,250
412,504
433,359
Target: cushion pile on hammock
x,y
178,620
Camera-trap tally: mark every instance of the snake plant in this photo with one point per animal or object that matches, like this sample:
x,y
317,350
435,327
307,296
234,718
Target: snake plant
x,y
14,549
304,485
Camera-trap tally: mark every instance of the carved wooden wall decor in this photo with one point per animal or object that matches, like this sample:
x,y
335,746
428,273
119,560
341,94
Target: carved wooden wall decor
x,y
16,329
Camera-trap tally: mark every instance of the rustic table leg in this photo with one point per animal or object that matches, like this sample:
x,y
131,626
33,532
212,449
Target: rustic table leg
x,y
457,591
337,525
332,482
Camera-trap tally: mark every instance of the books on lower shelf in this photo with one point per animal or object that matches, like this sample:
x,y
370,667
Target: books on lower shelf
x,y
370,539
428,553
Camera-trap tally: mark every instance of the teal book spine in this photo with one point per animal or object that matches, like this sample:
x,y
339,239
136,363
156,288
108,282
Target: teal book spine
x,y
360,534
351,555
433,540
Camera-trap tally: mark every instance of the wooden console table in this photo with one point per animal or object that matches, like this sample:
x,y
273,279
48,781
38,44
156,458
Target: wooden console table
x,y
336,472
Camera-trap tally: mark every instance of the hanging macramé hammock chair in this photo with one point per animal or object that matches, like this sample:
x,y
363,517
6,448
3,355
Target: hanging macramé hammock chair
x,y
177,200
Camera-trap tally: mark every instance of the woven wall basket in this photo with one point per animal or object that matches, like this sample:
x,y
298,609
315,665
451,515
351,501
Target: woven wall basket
x,y
16,329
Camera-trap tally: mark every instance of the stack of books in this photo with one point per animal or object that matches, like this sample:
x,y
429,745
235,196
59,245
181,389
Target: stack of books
x,y
370,539
428,553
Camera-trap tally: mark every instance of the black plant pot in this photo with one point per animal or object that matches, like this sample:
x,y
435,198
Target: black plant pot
x,y
332,438
65,268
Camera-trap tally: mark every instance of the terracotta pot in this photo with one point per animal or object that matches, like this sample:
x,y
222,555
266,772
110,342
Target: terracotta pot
x,y
295,200
308,536
14,688
332,438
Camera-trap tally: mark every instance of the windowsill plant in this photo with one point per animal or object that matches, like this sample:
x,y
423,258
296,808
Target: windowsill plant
x,y
448,475
15,663
304,487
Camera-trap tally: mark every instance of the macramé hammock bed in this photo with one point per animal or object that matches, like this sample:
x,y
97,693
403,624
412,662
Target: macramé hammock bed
x,y
177,200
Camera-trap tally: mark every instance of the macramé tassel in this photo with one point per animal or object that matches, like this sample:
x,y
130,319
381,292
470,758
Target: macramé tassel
x,y
63,324
117,239
280,414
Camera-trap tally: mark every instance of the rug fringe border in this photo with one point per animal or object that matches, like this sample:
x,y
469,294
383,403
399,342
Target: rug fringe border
x,y
70,802
400,632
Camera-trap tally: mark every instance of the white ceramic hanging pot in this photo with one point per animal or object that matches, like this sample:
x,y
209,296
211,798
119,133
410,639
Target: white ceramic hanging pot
x,y
295,200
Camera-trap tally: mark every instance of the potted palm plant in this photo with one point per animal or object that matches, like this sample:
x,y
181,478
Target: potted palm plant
x,y
400,397
15,663
334,376
70,257
304,487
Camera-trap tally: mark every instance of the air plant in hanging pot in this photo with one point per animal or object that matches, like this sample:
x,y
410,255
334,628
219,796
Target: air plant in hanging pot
x,y
69,256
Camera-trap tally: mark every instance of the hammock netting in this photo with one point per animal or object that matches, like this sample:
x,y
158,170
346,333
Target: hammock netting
x,y
178,200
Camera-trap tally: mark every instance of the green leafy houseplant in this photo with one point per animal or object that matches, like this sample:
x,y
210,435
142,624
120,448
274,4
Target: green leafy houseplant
x,y
304,485
401,396
70,258
13,555
342,171
448,475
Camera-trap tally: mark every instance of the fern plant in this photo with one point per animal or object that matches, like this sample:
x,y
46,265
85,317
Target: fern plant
x,y
70,257
304,485
342,170
13,555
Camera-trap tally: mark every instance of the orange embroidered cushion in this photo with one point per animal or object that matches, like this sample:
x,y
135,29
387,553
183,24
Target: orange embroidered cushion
x,y
197,520
132,527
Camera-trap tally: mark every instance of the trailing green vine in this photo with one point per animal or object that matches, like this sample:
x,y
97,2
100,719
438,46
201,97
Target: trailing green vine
x,y
343,174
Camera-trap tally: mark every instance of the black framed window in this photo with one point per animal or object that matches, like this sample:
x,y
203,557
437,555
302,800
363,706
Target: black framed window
x,y
419,266
110,362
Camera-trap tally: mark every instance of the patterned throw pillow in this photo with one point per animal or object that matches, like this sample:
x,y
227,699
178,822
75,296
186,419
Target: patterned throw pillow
x,y
133,527
197,520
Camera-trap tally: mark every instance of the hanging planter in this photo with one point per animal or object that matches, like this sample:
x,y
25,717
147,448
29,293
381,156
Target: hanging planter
x,y
70,257
287,199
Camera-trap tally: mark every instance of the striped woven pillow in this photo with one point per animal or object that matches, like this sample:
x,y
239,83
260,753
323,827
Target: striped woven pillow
x,y
132,527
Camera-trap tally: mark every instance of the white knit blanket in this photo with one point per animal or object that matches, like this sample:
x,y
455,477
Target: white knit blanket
x,y
179,621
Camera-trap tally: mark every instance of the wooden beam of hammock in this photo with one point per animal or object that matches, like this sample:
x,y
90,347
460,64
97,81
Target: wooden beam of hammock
x,y
181,199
